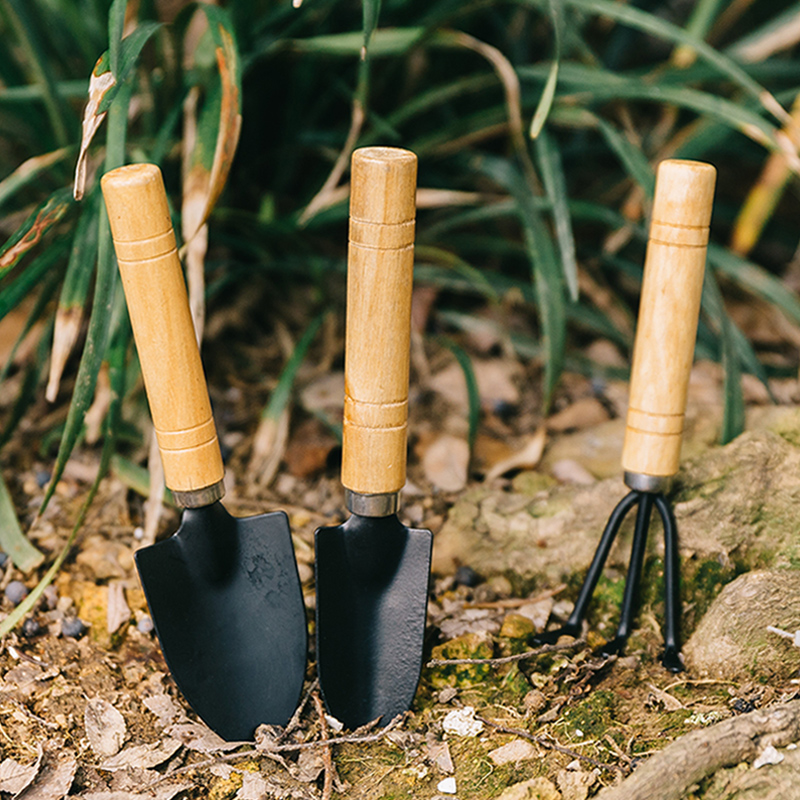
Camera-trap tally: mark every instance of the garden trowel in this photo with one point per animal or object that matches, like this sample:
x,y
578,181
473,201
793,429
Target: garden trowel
x,y
372,572
224,592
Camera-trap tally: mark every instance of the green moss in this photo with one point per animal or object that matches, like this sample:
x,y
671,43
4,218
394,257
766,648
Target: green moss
x,y
592,715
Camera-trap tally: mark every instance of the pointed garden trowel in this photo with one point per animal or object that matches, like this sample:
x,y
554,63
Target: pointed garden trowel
x,y
224,592
372,572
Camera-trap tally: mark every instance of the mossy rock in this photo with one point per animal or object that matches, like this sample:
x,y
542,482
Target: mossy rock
x,y
732,641
470,645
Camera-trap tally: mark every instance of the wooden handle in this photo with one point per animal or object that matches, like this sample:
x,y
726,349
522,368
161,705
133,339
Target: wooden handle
x,y
162,326
379,281
668,312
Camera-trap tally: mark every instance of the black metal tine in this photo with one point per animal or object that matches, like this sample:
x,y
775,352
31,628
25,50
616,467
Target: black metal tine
x,y
672,598
630,597
572,627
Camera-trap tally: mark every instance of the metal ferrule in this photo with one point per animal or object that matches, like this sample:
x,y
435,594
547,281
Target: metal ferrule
x,y
197,498
653,484
371,505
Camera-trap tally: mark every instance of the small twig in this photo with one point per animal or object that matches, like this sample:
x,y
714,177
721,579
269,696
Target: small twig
x,y
545,648
269,750
547,744
295,720
327,760
517,602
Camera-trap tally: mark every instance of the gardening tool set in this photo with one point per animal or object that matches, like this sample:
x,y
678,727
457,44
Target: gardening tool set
x,y
224,592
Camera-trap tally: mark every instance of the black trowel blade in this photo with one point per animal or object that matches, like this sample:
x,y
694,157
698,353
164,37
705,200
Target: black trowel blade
x,y
228,609
372,579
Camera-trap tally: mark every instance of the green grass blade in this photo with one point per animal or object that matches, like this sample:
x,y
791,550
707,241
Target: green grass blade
x,y
97,336
117,377
38,65
30,171
555,184
116,23
547,273
30,233
137,478
660,28
13,293
384,42
631,157
473,395
279,398
549,92
13,541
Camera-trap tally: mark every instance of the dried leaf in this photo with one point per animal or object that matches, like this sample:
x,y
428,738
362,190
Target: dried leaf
x,y
527,458
203,180
101,82
105,727
513,752
53,781
14,777
254,786
142,756
162,791
199,737
439,754
309,765
118,612
165,708
567,470
583,413
445,462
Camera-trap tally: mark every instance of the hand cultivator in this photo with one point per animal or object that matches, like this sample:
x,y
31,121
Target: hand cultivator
x,y
662,359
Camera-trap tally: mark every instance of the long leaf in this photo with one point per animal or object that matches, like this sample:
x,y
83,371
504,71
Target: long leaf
x,y
13,541
555,184
29,171
30,233
100,320
116,22
473,395
547,273
631,157
549,92
24,283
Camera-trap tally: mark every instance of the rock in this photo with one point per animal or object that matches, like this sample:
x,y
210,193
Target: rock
x,y
575,784
513,752
462,722
732,641
516,626
725,502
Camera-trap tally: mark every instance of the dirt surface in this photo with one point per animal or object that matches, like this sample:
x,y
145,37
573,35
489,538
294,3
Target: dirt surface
x,y
87,706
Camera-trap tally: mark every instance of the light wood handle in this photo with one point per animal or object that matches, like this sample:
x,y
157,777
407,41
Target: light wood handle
x,y
378,334
668,313
162,326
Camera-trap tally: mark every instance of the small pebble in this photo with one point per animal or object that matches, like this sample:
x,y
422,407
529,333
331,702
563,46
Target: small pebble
x,y
73,628
31,628
466,576
3,559
16,592
145,625
447,786
42,478
51,596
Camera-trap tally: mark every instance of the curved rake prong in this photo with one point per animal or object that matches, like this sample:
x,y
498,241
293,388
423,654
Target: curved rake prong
x,y
573,625
672,601
630,598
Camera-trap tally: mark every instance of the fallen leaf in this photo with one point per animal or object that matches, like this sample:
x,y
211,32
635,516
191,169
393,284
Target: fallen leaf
x,y
439,754
199,737
670,703
324,394
165,708
445,463
142,756
105,727
118,612
53,781
310,764
163,791
309,449
496,379
254,786
514,752
527,458
14,777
